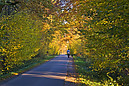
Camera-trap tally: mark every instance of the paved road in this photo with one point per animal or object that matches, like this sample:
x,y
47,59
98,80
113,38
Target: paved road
x,y
51,73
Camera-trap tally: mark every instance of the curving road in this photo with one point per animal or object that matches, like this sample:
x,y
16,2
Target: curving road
x,y
51,73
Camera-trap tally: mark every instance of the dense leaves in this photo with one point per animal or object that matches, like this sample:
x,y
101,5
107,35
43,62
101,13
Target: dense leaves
x,y
20,39
22,36
96,30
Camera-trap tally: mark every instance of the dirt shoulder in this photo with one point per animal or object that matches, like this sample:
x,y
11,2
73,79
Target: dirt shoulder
x,y
71,78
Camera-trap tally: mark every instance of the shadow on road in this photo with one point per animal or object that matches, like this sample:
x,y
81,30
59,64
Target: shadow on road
x,y
51,73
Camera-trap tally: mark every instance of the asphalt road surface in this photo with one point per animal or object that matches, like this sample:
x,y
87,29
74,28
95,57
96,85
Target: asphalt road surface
x,y
51,73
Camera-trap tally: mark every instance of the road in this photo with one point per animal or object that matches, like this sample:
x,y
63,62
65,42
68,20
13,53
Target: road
x,y
51,73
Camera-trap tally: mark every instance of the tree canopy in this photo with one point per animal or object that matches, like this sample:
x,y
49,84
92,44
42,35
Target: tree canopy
x,y
94,29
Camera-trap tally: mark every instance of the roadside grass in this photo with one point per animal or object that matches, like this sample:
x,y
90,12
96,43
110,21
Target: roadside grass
x,y
36,61
88,77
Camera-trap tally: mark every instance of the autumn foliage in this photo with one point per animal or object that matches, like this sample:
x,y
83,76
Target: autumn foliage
x,y
96,31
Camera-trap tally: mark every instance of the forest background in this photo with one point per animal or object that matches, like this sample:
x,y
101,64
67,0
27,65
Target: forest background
x,y
95,31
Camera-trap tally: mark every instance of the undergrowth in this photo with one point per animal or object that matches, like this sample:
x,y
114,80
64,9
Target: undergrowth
x,y
87,76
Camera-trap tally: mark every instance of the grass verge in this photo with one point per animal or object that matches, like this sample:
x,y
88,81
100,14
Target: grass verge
x,y
88,77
